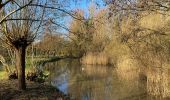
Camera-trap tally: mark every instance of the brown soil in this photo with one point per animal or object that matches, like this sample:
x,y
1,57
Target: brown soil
x,y
35,91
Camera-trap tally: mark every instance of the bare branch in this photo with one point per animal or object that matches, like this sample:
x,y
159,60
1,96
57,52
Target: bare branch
x,y
12,12
23,19
59,9
5,3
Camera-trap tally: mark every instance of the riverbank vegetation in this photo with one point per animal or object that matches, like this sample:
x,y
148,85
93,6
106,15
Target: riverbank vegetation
x,y
96,59
126,34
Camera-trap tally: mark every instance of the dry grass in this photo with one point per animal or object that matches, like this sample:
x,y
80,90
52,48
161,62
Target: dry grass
x,y
96,59
127,69
157,82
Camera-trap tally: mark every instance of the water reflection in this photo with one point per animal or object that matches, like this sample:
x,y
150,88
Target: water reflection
x,y
97,82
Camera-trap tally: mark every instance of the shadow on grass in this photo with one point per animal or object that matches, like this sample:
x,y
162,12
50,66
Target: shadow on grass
x,y
35,91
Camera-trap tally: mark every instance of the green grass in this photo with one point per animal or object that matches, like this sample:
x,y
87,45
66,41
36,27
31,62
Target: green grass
x,y
46,60
3,75
29,66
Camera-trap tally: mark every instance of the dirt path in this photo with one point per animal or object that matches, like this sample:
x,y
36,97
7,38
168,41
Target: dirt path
x,y
35,91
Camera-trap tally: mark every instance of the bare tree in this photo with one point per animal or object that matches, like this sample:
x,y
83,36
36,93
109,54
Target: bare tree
x,y
19,30
3,5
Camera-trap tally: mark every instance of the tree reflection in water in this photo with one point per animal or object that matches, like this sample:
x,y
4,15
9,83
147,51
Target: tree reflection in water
x,y
97,82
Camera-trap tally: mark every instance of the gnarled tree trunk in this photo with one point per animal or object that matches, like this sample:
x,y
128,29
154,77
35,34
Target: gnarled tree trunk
x,y
20,64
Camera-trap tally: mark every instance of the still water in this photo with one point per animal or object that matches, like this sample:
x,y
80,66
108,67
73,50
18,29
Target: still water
x,y
96,82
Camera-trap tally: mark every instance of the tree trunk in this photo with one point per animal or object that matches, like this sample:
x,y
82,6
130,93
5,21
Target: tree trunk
x,y
20,63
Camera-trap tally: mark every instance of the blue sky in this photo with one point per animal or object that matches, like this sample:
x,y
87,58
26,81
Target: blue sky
x,y
81,4
84,4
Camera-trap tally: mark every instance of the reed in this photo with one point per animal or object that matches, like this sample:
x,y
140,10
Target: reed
x,y
157,82
96,59
127,68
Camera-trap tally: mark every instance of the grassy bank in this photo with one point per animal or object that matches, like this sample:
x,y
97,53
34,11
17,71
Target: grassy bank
x,y
3,75
30,65
35,91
